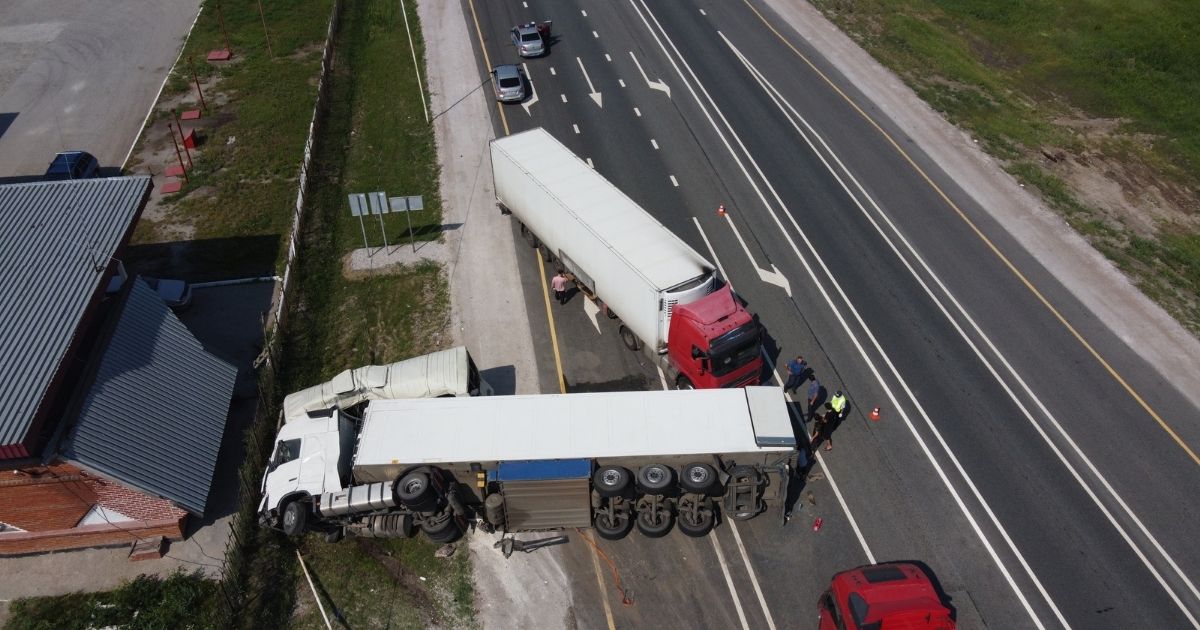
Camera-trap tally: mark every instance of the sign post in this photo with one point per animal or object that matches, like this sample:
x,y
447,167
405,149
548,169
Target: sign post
x,y
407,205
379,206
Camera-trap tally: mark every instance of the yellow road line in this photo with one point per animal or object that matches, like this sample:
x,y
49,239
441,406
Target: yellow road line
x,y
995,250
487,62
600,580
562,381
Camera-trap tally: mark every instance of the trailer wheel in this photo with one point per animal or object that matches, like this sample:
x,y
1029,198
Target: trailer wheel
x,y
295,518
612,527
699,478
529,236
415,492
696,516
611,481
684,382
547,255
443,529
630,340
655,523
656,479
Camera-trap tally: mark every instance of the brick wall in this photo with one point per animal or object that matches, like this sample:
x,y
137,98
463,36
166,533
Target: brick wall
x,y
49,501
100,535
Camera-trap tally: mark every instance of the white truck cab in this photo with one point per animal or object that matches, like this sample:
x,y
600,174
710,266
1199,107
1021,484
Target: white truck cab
x,y
311,457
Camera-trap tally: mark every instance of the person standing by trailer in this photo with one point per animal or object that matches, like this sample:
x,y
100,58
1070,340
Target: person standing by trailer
x,y
559,284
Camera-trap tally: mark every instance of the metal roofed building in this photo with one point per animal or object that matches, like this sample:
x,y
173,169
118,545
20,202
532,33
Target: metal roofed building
x,y
154,416
58,241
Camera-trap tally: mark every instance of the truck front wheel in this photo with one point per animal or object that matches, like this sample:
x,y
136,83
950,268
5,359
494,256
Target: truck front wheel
x,y
295,518
442,530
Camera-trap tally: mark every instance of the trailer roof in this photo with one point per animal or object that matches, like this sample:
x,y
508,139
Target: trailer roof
x,y
563,426
655,252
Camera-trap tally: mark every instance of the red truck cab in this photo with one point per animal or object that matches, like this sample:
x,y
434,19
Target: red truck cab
x,y
715,342
894,596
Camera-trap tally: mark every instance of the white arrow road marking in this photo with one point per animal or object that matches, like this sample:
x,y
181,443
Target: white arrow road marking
x,y
534,98
770,277
594,94
656,85
593,313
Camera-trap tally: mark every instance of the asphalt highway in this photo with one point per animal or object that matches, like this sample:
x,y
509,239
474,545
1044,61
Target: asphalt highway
x,y
1021,454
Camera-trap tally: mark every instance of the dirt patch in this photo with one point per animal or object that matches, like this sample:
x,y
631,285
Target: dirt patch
x,y
1125,189
415,593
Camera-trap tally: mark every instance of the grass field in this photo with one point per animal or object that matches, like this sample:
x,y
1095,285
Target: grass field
x,y
259,107
1110,83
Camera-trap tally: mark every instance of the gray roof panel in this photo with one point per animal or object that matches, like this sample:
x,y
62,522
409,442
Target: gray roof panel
x,y
156,411
56,239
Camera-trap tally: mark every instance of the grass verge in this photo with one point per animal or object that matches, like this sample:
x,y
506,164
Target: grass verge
x,y
181,600
1057,90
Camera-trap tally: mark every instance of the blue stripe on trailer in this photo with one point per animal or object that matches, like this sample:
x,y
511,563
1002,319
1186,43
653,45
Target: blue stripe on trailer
x,y
543,469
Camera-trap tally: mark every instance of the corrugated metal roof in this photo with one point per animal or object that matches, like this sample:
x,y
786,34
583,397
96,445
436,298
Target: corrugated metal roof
x,y
56,238
156,412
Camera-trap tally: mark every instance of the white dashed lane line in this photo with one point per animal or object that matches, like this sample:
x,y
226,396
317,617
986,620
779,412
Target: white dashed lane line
x,y
638,112
674,181
654,143
576,128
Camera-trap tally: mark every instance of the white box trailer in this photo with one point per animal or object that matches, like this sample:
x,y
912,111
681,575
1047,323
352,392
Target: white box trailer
x,y
609,460
666,295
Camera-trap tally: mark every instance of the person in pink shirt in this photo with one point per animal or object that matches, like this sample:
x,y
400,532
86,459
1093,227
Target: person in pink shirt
x,y
559,284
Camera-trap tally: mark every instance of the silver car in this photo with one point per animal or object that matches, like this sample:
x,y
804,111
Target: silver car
x,y
528,40
508,83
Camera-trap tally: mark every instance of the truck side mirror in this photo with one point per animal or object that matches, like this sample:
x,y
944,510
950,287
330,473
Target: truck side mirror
x,y
697,353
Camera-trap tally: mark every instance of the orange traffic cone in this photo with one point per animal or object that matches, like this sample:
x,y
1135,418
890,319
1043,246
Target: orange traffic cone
x,y
721,210
875,413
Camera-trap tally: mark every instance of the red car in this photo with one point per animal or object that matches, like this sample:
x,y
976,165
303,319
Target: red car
x,y
894,596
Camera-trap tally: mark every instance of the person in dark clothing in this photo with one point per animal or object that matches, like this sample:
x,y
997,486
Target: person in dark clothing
x,y
796,369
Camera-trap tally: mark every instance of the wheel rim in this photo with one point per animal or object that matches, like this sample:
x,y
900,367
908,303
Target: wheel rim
x,y
610,477
414,486
698,476
656,475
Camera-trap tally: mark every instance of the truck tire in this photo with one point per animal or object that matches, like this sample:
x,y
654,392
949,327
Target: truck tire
x,y
684,382
695,516
547,255
615,527
442,529
416,493
528,235
656,479
294,521
611,313
629,339
699,478
611,481
655,523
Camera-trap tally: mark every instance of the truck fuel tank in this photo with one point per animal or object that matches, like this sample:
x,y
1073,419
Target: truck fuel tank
x,y
367,498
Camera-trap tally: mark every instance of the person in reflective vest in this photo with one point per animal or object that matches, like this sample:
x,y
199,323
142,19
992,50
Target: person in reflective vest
x,y
835,408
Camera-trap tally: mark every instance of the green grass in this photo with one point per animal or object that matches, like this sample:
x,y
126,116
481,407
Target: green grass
x,y
182,600
249,183
408,588
1011,72
375,138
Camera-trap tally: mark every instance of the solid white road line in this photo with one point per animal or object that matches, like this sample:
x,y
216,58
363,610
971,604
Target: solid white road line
x,y
836,311
750,571
793,116
737,602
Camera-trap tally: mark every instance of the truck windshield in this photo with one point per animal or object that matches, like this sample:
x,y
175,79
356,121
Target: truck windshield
x,y
734,349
